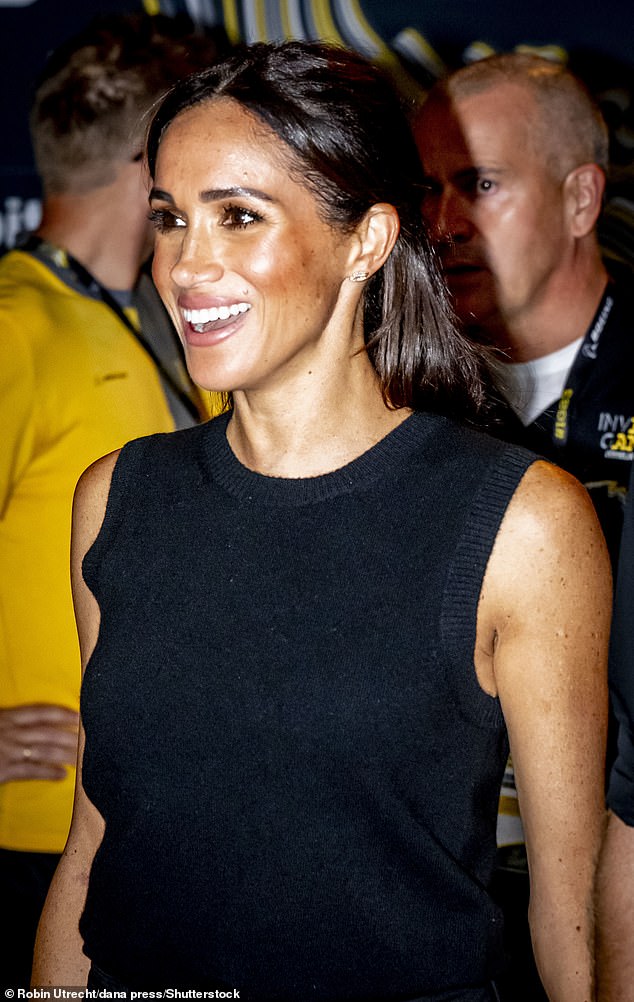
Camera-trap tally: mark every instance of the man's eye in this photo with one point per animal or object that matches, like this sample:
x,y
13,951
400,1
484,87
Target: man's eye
x,y
430,189
239,217
163,219
485,185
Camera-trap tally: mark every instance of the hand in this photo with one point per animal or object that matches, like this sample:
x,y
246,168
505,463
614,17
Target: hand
x,y
37,741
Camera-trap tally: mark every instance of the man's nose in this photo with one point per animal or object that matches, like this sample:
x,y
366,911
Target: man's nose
x,y
447,216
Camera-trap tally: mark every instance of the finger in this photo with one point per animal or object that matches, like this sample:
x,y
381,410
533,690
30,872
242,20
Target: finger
x,y
59,752
32,769
40,737
38,714
27,762
52,753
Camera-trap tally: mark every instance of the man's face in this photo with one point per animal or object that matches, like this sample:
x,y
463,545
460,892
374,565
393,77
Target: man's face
x,y
496,213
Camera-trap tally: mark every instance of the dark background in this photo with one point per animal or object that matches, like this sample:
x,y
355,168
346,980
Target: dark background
x,y
597,41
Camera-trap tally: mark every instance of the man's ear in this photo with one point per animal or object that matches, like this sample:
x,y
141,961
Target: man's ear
x,y
376,235
583,188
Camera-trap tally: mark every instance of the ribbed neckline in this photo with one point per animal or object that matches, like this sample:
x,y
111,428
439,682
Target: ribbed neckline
x,y
388,454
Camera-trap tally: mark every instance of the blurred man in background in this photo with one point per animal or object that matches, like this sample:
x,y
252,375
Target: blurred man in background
x,y
88,360
515,154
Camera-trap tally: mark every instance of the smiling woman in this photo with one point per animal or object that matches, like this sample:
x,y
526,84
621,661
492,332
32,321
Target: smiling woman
x,y
240,251
317,630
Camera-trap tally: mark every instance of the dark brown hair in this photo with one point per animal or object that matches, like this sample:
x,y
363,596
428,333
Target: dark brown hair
x,y
350,144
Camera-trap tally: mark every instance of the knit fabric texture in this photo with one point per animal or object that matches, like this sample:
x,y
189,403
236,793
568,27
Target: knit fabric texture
x,y
297,767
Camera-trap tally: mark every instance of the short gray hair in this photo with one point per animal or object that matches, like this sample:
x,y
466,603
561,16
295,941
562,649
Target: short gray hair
x,y
571,130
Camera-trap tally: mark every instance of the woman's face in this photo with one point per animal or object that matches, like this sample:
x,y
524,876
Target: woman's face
x,y
254,280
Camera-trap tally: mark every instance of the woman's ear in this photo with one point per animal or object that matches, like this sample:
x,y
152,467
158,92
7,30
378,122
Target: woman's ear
x,y
376,235
583,188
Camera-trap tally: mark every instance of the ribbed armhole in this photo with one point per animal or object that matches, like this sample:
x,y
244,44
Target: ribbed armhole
x,y
464,583
125,469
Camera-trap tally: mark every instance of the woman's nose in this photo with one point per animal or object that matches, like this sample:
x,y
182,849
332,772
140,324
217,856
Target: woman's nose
x,y
198,262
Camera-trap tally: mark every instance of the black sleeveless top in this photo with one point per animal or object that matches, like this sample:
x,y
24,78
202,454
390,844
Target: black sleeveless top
x,y
297,768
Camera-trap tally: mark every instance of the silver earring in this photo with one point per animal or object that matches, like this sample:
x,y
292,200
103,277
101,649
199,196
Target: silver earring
x,y
359,276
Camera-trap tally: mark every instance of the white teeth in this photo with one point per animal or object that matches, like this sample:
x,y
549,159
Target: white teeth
x,y
200,317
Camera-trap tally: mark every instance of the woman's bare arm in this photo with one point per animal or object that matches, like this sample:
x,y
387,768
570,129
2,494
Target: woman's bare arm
x,y
543,633
59,957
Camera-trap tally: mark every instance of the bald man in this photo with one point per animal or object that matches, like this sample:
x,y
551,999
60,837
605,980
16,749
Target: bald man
x,y
515,154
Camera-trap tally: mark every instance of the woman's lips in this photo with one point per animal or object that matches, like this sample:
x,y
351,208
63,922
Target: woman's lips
x,y
213,318
205,326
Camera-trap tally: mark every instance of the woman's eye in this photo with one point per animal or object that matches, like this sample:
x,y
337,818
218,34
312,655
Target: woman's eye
x,y
163,219
485,184
239,217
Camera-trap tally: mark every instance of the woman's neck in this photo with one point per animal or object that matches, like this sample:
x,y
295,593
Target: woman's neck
x,y
314,429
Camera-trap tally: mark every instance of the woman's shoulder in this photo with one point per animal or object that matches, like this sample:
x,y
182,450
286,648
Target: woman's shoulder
x,y
93,486
483,436
89,505
550,529
475,453
551,503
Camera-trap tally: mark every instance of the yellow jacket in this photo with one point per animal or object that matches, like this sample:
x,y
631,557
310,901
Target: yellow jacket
x,y
74,385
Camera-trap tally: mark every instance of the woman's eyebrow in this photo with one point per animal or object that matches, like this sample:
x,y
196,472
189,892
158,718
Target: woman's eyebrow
x,y
216,194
